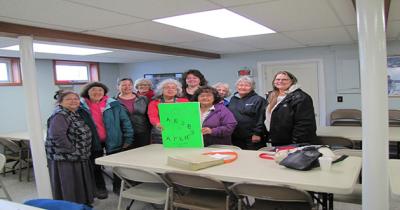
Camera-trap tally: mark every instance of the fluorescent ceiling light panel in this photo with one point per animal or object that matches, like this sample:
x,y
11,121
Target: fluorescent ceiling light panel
x,y
59,49
220,23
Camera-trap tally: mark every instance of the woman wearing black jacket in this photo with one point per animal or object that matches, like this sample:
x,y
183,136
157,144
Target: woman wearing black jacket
x,y
248,109
290,117
137,109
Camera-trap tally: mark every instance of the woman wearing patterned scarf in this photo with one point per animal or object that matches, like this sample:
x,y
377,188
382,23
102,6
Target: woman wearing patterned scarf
x,y
68,148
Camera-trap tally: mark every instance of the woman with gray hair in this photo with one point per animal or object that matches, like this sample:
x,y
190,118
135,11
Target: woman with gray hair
x,y
223,91
248,109
143,87
168,91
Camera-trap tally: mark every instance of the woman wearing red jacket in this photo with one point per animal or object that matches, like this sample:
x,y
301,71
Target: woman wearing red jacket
x,y
168,91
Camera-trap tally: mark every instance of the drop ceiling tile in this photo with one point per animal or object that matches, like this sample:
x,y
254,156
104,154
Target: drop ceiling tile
x,y
229,3
62,13
155,31
289,15
393,30
345,11
151,9
352,31
217,45
326,36
394,11
268,41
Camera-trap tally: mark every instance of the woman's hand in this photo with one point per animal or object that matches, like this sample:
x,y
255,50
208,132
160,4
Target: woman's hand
x,y
159,126
255,138
206,130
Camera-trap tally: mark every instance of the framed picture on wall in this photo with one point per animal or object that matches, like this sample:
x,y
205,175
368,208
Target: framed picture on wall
x,y
393,76
157,78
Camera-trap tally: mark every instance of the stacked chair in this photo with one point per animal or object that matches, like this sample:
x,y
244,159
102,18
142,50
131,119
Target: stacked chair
x,y
346,117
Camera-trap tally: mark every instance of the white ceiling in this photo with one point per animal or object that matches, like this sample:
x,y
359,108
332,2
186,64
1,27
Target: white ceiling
x,y
299,23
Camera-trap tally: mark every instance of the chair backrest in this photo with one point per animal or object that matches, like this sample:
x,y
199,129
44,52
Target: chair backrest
x,y
394,118
10,145
194,181
346,117
349,152
2,161
277,193
334,141
222,146
139,175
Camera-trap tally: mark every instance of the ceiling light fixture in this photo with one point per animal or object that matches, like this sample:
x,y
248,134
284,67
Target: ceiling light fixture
x,y
220,23
59,49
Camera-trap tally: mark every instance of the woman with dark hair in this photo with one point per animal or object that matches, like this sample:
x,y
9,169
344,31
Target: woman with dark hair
x,y
111,127
167,91
248,108
191,81
137,109
217,121
290,116
68,149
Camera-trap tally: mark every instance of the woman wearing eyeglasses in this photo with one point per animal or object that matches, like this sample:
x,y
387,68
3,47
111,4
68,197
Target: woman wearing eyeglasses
x,y
143,87
290,117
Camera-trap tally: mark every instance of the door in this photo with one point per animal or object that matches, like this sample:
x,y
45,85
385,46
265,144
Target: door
x,y
306,73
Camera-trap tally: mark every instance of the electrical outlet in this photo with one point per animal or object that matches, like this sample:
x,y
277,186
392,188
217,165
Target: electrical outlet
x,y
340,99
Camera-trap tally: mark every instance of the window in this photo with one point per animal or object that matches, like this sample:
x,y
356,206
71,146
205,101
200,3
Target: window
x,y
10,73
75,72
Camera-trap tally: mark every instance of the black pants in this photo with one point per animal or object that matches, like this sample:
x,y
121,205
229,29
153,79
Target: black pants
x,y
98,172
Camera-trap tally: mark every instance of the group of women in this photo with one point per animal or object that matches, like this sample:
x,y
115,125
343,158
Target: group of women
x,y
82,128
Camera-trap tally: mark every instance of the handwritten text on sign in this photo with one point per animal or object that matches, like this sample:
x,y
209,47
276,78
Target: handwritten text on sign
x,y
181,124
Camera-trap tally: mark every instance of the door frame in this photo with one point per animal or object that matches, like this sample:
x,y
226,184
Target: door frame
x,y
321,82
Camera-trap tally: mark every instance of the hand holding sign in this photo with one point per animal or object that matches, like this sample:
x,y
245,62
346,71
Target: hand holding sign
x,y
181,125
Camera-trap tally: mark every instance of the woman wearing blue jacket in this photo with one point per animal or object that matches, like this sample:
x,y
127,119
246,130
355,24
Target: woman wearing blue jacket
x,y
110,125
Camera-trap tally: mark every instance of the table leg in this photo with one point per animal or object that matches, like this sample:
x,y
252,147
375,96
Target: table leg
x,y
398,150
330,201
324,201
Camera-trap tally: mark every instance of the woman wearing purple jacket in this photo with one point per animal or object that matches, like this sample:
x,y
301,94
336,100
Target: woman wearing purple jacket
x,y
218,122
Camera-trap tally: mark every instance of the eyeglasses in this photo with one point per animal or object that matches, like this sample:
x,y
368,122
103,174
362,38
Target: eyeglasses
x,y
283,80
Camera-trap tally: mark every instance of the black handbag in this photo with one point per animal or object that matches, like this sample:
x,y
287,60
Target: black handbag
x,y
302,160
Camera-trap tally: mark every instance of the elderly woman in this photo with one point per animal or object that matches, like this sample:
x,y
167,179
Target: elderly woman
x,y
137,109
217,121
192,80
248,109
110,126
68,149
168,91
290,117
223,91
143,88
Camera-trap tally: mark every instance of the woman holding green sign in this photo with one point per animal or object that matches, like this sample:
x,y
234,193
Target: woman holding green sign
x,y
168,91
217,121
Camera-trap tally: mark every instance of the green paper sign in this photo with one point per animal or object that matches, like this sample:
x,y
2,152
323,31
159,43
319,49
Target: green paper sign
x,y
181,125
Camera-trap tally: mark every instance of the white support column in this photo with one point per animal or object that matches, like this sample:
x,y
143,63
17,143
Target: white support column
x,y
374,98
29,79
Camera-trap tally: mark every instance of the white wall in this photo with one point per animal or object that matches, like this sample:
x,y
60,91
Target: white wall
x,y
225,69
12,106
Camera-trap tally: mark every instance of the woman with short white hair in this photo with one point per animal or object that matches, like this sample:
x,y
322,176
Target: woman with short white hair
x,y
168,91
248,109
143,87
223,91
